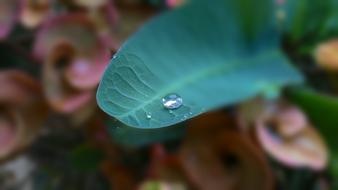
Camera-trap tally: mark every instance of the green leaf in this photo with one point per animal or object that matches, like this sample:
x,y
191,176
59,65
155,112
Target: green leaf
x,y
331,25
306,18
152,185
204,52
135,138
86,158
322,110
309,22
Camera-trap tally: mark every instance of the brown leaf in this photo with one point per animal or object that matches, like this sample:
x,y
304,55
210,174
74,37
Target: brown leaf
x,y
286,135
221,157
74,58
22,111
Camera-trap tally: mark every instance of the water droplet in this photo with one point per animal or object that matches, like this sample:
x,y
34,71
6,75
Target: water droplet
x,y
114,57
172,101
171,112
190,113
148,115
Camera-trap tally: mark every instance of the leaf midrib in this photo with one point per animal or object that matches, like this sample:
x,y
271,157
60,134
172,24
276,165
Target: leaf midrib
x,y
220,68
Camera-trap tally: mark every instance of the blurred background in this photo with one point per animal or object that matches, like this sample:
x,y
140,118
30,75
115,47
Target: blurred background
x,y
54,137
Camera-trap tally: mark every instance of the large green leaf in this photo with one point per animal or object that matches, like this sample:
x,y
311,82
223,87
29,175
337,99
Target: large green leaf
x,y
212,54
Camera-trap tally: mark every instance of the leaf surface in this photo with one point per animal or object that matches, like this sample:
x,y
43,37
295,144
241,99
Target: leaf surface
x,y
205,52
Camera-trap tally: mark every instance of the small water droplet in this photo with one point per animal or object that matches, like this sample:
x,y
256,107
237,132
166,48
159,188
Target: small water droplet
x,y
114,57
172,101
171,111
148,115
190,113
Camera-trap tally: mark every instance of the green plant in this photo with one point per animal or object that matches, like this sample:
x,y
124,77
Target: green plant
x,y
224,47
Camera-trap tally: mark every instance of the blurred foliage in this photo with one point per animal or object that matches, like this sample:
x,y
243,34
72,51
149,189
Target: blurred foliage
x,y
53,54
86,158
14,58
322,110
133,137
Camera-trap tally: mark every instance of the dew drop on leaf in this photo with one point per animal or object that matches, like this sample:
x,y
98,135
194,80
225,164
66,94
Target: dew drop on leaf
x,y
172,101
148,115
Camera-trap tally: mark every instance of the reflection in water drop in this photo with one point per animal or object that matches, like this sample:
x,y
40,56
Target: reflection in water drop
x,y
148,115
172,101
